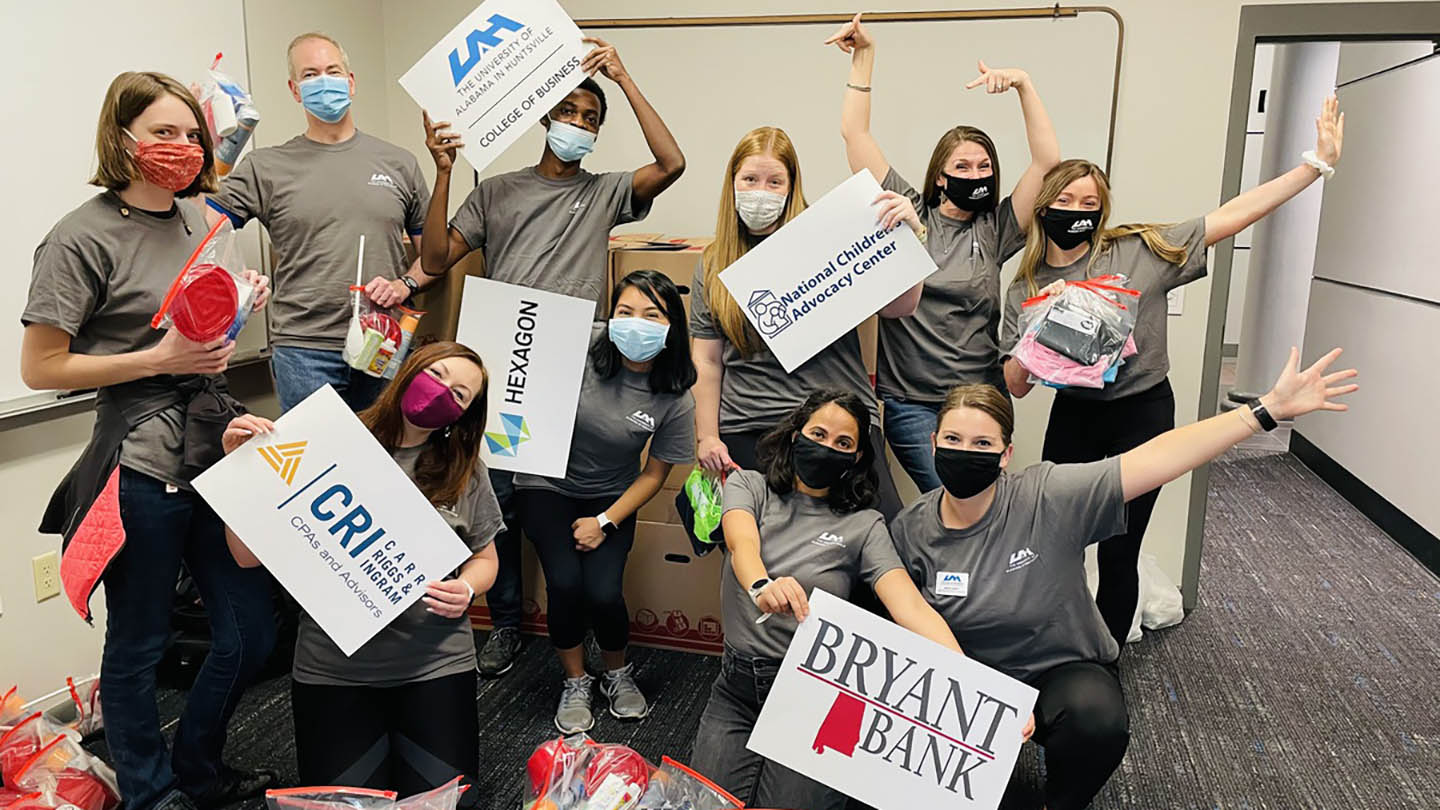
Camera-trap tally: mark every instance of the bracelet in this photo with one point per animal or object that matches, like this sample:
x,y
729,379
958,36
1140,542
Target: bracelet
x,y
1313,160
863,89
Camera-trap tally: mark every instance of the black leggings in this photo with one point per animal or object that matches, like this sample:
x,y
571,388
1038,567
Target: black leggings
x,y
743,451
408,738
1081,721
1088,430
583,588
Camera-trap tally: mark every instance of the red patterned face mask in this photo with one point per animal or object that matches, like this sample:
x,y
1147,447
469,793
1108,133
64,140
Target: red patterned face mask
x,y
171,166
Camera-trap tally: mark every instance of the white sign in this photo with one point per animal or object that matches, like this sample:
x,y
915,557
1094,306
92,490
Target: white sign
x,y
833,260
889,717
498,72
332,516
534,345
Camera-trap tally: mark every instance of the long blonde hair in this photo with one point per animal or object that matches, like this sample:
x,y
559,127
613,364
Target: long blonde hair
x,y
731,241
1067,172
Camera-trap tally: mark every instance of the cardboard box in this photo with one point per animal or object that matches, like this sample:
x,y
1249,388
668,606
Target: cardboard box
x,y
869,343
673,596
676,257
661,508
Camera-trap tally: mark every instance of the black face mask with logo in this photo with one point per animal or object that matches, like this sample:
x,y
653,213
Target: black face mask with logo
x,y
1069,229
818,466
966,473
973,194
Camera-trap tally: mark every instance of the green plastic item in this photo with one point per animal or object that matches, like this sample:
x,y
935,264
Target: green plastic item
x,y
704,491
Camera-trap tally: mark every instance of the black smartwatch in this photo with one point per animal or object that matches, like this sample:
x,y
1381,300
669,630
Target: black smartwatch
x,y
413,286
1267,422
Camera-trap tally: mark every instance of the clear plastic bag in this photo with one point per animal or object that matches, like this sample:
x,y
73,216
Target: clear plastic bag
x,y
21,742
700,503
1079,335
378,338
12,707
210,298
675,787
63,771
577,773
230,114
329,798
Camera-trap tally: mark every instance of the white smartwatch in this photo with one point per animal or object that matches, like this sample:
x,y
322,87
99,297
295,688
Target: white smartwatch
x,y
757,587
606,524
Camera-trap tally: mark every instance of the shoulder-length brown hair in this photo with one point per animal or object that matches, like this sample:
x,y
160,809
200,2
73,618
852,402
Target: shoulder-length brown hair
x,y
941,155
129,96
448,460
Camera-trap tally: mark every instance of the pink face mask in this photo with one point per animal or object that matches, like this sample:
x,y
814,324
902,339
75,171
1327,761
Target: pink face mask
x,y
171,166
427,403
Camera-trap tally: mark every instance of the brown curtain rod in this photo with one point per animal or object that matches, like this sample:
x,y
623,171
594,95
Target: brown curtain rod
x,y
1040,13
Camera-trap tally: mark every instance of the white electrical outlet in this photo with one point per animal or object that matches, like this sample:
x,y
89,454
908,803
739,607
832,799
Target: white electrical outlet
x,y
1175,301
47,575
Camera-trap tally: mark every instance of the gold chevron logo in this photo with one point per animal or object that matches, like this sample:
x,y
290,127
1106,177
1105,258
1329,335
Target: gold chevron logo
x,y
284,458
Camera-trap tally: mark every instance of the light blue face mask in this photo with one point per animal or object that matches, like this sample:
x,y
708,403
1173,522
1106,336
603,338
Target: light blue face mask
x,y
637,338
569,143
326,97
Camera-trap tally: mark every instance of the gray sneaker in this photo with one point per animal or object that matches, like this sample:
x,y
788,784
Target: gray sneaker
x,y
626,700
498,655
574,715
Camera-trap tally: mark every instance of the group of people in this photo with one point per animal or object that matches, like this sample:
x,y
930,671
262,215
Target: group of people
x,y
802,452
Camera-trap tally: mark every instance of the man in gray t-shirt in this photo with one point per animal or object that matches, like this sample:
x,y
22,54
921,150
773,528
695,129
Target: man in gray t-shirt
x,y
547,227
316,195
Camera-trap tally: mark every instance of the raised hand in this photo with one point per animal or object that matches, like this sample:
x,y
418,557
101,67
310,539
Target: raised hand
x,y
997,80
1329,131
851,36
604,59
441,142
1297,392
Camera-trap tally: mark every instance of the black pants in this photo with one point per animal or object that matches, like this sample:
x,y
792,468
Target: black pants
x,y
1081,721
584,588
409,738
1088,430
743,446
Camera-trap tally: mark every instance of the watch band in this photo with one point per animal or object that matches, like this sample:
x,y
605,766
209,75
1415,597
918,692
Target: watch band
x,y
412,285
606,524
758,586
1267,422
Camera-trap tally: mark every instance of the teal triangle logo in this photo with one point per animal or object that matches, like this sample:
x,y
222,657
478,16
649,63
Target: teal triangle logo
x,y
515,430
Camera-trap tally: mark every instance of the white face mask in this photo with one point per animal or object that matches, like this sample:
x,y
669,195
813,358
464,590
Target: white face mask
x,y
759,209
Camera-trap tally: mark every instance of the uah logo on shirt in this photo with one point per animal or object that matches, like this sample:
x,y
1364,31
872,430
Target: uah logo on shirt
x,y
828,539
284,458
769,312
577,207
1021,558
642,420
477,43
382,179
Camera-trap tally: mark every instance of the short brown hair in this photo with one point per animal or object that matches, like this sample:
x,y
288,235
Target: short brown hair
x,y
295,43
130,94
982,397
941,154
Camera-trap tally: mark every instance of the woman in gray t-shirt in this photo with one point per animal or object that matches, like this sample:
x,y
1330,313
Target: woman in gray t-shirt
x,y
386,715
742,390
953,336
1069,241
1002,557
636,392
806,521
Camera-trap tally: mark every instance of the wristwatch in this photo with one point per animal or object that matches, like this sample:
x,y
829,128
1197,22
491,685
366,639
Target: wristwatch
x,y
1267,422
606,524
757,586
413,285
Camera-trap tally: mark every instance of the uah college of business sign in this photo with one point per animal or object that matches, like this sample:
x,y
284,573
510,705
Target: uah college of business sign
x,y
331,515
497,72
534,345
824,272
889,717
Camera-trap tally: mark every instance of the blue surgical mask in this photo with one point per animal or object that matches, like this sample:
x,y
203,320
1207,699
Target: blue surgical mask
x,y
638,339
326,97
569,143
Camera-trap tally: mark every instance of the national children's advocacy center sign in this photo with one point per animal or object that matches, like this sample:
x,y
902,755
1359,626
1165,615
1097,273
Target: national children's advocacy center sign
x,y
890,717
332,516
534,345
825,271
497,72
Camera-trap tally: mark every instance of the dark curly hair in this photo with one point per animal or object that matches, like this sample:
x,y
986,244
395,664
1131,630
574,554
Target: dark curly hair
x,y
858,488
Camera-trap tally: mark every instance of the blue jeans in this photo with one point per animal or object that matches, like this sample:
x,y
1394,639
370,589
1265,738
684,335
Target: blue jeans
x,y
162,529
908,426
506,597
299,372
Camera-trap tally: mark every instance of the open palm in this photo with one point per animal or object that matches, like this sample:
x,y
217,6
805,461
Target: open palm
x,y
1297,392
1329,131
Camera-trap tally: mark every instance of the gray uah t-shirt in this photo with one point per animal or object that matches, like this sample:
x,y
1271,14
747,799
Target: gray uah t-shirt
x,y
100,275
417,645
1148,273
800,537
1012,587
316,199
952,337
550,234
615,419
756,392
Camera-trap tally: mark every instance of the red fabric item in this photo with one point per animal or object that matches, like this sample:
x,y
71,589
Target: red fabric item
x,y
840,732
206,304
95,543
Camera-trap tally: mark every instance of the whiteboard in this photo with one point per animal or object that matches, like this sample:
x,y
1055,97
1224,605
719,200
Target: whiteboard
x,y
58,58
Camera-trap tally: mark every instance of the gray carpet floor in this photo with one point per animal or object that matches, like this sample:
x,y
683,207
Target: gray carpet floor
x,y
1306,678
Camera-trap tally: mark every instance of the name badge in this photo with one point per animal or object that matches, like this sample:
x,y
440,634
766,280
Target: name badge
x,y
952,583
